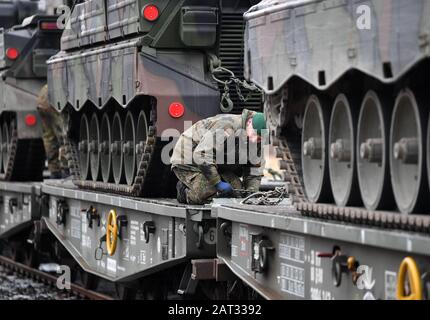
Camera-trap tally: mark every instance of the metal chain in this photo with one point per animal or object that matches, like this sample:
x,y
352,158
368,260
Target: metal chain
x,y
269,198
217,70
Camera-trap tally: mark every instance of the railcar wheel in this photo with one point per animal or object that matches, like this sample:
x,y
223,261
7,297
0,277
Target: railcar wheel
x,y
129,149
343,175
116,149
141,135
89,281
407,150
31,258
84,141
372,151
93,148
124,292
104,149
314,151
5,145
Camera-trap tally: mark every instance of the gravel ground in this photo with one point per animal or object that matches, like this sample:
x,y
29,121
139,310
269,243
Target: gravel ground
x,y
14,286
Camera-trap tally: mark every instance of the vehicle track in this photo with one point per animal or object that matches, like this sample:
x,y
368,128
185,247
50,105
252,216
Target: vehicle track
x,y
289,150
26,158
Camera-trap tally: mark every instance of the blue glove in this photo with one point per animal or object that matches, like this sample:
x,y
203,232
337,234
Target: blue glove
x,y
224,187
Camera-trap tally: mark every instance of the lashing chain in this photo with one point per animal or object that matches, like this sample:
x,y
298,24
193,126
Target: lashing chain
x,y
269,198
216,69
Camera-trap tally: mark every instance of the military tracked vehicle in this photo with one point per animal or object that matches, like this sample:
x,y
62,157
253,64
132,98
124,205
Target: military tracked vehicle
x,y
347,101
129,71
24,50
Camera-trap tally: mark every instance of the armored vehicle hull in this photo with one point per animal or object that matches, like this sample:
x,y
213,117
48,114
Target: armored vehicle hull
x,y
24,50
346,101
130,77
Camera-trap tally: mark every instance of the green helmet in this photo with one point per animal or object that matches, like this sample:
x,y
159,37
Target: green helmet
x,y
259,123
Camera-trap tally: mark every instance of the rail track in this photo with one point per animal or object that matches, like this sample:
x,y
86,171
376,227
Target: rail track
x,y
51,280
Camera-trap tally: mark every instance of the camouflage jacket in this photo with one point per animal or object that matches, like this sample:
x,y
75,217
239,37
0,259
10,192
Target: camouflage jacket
x,y
219,143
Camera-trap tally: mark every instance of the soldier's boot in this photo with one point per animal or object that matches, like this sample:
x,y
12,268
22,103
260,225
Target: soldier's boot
x,y
181,192
56,175
65,173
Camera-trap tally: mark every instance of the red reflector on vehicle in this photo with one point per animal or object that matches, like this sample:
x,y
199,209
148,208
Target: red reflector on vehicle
x,y
30,120
48,26
176,110
151,12
12,53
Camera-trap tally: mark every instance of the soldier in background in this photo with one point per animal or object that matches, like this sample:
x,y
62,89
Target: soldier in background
x,y
52,126
196,164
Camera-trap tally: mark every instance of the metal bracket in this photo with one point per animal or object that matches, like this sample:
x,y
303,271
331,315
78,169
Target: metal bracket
x,y
92,214
100,249
260,252
187,285
62,212
211,269
344,264
122,222
13,202
148,228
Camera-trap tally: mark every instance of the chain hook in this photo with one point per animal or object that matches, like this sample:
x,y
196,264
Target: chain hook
x,y
216,69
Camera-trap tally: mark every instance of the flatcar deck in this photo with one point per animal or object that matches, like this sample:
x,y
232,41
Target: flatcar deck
x,y
275,250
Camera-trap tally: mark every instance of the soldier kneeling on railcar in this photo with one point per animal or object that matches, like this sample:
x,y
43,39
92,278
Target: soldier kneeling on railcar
x,y
219,155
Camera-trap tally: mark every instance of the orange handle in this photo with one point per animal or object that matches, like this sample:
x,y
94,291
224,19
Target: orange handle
x,y
409,266
111,233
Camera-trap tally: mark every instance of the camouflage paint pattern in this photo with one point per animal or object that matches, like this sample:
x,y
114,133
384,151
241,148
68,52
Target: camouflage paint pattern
x,y
306,38
119,70
97,21
122,72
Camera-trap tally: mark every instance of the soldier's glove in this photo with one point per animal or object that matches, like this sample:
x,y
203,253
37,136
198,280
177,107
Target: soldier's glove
x,y
224,188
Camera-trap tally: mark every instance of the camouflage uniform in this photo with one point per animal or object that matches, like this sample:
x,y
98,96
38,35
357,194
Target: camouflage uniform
x,y
195,164
52,125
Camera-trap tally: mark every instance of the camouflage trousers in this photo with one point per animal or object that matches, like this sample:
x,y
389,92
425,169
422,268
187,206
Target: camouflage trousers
x,y
199,190
52,126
